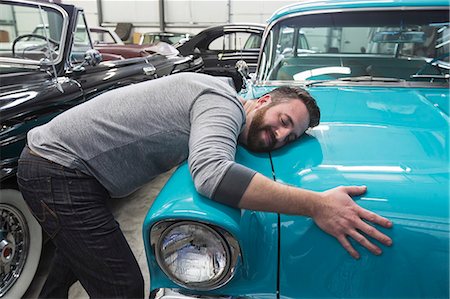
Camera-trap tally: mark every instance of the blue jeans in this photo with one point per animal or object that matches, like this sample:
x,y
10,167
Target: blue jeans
x,y
90,247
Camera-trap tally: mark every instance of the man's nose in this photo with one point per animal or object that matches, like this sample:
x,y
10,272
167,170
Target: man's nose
x,y
281,133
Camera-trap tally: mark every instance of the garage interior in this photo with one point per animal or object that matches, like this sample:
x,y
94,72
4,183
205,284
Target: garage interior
x,y
380,72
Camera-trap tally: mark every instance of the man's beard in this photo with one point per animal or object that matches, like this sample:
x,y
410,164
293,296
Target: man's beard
x,y
255,131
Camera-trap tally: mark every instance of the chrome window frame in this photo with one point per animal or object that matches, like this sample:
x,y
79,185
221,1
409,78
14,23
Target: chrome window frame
x,y
20,61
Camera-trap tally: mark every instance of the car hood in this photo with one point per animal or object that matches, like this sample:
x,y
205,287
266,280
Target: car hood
x,y
394,141
370,134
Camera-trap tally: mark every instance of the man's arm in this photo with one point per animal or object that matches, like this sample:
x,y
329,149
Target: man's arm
x,y
216,122
334,211
215,126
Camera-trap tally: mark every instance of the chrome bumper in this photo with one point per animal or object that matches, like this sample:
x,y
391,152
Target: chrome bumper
x,y
174,294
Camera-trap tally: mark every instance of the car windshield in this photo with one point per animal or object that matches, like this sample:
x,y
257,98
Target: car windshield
x,y
395,45
30,33
170,38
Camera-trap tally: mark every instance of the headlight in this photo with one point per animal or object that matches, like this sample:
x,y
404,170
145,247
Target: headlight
x,y
195,255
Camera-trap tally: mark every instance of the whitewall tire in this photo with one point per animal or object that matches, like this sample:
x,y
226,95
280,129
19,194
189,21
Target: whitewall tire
x,y
20,244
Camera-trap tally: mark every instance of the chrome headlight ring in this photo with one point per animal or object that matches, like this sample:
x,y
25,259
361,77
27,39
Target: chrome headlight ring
x,y
195,255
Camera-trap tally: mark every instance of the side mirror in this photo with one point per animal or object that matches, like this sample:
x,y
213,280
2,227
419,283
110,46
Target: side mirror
x,y
242,68
243,75
92,57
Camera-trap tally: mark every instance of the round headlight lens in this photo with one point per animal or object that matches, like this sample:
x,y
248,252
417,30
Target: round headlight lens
x,y
194,255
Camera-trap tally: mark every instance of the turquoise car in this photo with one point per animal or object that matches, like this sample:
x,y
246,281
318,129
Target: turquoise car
x,y
380,73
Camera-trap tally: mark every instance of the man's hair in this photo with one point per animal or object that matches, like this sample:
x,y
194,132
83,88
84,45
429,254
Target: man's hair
x,y
282,93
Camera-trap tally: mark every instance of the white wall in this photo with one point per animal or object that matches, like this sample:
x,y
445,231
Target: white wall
x,y
180,15
90,9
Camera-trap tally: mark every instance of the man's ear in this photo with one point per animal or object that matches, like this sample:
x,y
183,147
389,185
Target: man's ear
x,y
263,101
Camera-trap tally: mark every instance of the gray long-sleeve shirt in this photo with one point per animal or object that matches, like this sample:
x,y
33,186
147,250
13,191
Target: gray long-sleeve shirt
x,y
126,137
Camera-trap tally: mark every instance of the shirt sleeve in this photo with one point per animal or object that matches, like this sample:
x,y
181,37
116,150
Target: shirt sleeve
x,y
216,122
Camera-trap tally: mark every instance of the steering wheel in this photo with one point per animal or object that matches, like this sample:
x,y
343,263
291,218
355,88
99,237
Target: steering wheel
x,y
54,42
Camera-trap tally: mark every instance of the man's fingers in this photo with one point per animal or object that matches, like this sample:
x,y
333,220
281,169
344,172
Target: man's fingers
x,y
346,244
374,233
374,218
355,190
348,220
364,242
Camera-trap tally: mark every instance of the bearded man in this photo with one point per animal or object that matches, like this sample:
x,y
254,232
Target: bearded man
x,y
115,143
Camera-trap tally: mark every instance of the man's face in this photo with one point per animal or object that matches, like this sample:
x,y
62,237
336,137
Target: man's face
x,y
276,124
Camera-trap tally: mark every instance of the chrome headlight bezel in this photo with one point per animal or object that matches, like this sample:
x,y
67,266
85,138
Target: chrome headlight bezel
x,y
230,244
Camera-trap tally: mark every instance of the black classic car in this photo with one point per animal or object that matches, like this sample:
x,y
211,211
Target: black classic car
x,y
222,46
43,73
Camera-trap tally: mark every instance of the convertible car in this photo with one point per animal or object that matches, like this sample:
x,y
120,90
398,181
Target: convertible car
x,y
222,46
44,70
380,73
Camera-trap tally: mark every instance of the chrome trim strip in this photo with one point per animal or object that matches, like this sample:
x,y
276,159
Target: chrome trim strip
x,y
339,10
176,294
334,83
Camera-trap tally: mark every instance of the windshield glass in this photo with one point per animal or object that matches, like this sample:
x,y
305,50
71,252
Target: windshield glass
x,y
170,38
405,45
29,32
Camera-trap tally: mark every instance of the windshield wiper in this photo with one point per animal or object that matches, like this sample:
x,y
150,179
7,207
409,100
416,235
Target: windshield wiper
x,y
50,56
431,76
357,79
434,63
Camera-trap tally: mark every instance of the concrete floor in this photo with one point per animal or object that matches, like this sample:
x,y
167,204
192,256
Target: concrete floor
x,y
130,213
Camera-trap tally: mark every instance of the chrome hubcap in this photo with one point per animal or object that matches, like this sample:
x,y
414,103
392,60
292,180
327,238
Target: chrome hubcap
x,y
14,240
7,251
